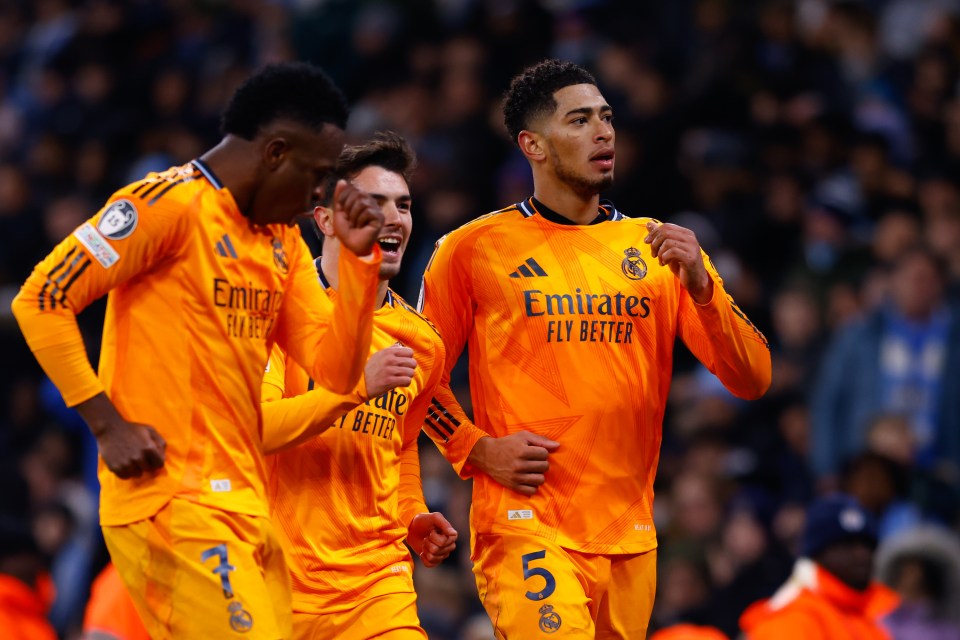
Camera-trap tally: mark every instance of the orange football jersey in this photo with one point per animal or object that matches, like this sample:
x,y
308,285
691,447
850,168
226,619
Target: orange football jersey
x,y
571,332
197,297
342,501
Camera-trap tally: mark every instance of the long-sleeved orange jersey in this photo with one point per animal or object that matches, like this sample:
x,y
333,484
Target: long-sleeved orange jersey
x,y
571,331
197,297
342,501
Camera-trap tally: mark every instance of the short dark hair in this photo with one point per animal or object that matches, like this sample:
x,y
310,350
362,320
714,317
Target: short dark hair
x,y
531,92
291,90
385,149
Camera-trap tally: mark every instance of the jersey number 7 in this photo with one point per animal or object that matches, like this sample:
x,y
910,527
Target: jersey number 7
x,y
223,569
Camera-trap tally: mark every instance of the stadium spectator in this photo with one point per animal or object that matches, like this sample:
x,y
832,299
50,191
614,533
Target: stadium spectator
x,y
831,594
902,358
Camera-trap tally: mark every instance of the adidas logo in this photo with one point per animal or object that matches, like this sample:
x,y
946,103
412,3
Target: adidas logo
x,y
529,269
225,248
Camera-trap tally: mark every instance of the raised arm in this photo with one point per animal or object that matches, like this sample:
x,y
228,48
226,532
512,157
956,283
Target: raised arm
x,y
332,340
715,330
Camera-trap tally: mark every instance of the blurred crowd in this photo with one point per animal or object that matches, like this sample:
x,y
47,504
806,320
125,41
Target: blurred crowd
x,y
812,145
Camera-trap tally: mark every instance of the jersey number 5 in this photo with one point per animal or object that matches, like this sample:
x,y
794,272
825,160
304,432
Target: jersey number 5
x,y
528,572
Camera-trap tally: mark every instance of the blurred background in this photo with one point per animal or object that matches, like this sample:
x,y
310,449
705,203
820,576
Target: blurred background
x,y
812,145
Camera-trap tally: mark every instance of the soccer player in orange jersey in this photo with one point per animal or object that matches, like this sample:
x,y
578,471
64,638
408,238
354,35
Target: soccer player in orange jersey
x,y
345,501
205,273
571,310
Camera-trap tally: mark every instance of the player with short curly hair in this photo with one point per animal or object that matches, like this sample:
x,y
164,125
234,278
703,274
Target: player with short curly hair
x,y
295,91
204,274
531,94
571,310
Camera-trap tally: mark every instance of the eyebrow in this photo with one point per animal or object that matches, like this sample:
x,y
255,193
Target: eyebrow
x,y
384,196
588,110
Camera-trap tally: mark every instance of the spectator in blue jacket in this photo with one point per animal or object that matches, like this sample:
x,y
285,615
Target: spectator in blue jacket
x,y
903,358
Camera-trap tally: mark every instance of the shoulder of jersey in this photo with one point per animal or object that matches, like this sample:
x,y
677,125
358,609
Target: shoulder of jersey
x,y
639,221
170,192
406,306
175,185
479,224
620,216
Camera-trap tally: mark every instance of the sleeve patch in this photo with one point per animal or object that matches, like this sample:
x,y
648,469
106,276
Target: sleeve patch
x,y
96,245
118,220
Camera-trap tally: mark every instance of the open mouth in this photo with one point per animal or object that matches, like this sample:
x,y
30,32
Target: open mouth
x,y
603,160
389,246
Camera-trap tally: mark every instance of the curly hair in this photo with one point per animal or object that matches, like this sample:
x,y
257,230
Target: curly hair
x,y
530,95
386,149
294,91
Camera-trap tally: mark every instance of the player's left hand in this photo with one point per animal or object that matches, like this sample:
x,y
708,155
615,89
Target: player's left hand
x,y
677,247
357,218
388,369
432,537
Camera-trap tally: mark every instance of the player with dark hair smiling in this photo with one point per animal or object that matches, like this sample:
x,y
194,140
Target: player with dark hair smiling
x,y
346,500
571,310
205,273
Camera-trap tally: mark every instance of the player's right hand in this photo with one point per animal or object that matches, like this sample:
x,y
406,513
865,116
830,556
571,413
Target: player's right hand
x,y
388,369
432,537
677,248
357,218
130,449
517,461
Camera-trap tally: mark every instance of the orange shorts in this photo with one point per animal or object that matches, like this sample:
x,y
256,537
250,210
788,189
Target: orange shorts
x,y
531,587
198,572
388,617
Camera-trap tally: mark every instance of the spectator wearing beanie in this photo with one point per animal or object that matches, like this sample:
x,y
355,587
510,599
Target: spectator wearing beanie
x,y
831,594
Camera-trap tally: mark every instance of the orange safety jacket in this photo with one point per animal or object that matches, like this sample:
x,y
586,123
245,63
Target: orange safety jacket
x,y
815,605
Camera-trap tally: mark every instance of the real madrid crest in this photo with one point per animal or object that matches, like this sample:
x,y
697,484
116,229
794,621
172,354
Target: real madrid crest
x,y
633,265
280,256
549,619
240,620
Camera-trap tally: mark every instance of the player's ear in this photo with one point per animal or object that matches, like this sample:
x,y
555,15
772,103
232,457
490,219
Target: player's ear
x,y
531,144
274,150
323,216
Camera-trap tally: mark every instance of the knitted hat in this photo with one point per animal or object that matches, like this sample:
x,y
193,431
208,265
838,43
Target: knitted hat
x,y
833,519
